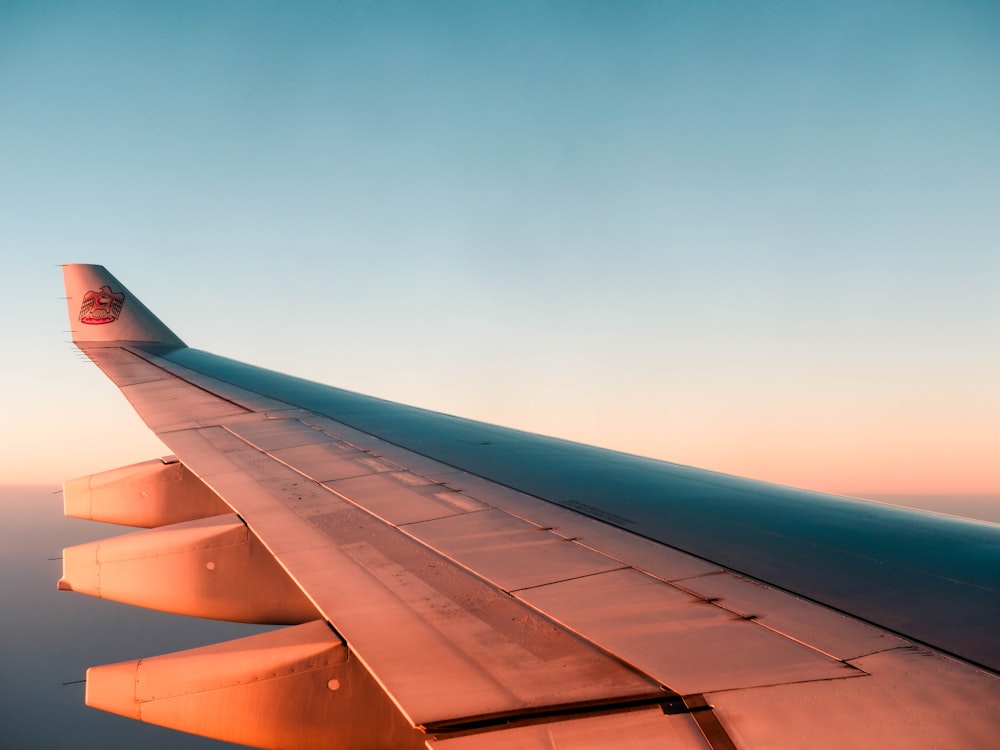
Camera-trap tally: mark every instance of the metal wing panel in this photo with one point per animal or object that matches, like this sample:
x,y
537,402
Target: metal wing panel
x,y
833,633
643,554
326,462
425,607
912,698
685,642
277,434
511,553
398,499
873,561
446,646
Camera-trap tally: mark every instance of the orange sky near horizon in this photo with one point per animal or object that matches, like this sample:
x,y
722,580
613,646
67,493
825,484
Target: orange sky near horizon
x,y
765,247
84,426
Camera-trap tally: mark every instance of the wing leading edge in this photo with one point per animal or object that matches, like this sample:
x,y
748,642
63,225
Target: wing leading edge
x,y
549,590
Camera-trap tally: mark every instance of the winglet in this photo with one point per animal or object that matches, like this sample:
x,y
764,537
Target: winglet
x,y
102,310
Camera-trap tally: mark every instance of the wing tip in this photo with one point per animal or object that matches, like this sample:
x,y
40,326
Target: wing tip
x,y
102,310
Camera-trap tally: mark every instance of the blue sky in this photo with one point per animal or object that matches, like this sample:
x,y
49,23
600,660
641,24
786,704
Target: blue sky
x,y
760,238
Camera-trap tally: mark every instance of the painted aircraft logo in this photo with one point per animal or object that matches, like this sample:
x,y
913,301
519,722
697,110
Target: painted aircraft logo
x,y
102,306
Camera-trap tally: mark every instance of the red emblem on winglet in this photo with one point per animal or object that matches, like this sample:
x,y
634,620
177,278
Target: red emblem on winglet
x,y
102,306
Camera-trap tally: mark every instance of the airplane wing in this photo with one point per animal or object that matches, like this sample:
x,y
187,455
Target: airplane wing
x,y
454,585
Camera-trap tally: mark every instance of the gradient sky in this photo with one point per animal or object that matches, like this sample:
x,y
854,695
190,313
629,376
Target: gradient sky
x,y
761,238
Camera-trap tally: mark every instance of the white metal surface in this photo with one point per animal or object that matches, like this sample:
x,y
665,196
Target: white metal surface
x,y
511,553
831,632
402,498
148,494
325,462
410,559
422,628
688,644
296,687
99,311
212,567
912,698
